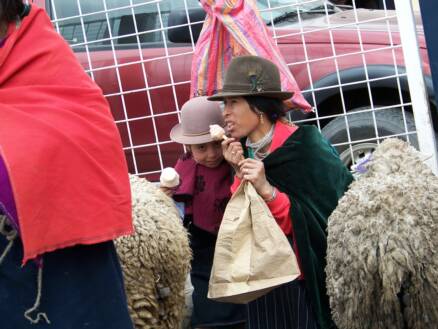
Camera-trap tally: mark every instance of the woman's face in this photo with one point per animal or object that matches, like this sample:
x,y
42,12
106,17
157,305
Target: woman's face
x,y
240,120
208,154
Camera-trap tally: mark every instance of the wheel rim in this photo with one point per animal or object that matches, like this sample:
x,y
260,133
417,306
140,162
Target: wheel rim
x,y
359,152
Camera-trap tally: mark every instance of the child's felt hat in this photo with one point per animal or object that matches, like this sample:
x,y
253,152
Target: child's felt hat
x,y
197,115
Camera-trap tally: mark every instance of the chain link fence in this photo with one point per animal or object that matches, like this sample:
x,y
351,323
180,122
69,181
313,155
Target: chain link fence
x,y
354,65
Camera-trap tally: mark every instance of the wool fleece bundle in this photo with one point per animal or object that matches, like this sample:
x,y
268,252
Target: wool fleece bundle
x,y
155,260
382,262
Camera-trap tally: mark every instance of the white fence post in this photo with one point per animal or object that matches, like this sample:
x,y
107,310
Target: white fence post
x,y
419,98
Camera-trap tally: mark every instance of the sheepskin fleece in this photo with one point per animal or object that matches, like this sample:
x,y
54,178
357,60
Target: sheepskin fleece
x,y
382,262
155,260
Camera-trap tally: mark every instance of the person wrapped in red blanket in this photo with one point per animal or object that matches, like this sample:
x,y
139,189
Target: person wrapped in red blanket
x,y
64,181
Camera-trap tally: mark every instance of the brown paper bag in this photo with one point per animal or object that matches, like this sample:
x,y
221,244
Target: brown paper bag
x,y
252,254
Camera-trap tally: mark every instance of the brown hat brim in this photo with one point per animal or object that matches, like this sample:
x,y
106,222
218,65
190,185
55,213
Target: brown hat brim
x,y
176,134
282,95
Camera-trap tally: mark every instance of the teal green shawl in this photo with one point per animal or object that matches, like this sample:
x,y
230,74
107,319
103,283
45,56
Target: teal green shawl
x,y
308,169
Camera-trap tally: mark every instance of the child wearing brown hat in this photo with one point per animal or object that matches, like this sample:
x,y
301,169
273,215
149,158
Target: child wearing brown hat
x,y
205,181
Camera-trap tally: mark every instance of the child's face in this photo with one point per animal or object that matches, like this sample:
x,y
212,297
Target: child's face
x,y
208,154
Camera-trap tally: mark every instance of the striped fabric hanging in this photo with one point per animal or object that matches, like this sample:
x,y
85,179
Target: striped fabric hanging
x,y
234,28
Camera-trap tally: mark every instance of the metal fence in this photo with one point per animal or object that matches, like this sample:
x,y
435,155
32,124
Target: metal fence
x,y
354,65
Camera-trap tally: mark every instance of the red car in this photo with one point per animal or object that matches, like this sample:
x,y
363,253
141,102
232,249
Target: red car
x,y
140,55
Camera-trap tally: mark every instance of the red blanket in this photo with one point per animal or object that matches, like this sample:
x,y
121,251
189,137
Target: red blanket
x,y
60,144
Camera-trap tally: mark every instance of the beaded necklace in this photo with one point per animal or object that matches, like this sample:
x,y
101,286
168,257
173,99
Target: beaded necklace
x,y
254,149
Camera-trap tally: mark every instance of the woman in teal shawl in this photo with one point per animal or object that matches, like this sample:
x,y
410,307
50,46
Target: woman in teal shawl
x,y
299,175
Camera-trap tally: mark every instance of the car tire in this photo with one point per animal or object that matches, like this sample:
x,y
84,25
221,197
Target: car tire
x,y
361,127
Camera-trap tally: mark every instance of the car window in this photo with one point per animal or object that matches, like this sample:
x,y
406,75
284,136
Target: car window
x,y
84,20
286,11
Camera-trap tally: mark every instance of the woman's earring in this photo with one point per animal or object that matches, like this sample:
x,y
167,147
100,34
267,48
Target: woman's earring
x,y
261,118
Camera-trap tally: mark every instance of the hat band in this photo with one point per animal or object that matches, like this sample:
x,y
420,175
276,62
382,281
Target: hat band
x,y
246,89
196,134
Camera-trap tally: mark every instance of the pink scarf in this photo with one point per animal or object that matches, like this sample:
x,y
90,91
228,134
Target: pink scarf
x,y
235,28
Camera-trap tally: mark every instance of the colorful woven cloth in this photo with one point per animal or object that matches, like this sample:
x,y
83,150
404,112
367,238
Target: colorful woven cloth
x,y
235,28
59,144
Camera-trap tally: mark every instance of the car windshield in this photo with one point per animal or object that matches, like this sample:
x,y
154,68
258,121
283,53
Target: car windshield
x,y
286,11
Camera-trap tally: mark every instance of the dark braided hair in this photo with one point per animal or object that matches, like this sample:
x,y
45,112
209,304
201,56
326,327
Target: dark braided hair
x,y
10,10
272,107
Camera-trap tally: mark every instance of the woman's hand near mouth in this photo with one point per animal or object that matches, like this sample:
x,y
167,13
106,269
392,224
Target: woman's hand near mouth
x,y
233,153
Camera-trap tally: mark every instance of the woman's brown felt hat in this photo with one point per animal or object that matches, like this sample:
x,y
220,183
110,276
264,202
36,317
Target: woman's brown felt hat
x,y
251,76
197,115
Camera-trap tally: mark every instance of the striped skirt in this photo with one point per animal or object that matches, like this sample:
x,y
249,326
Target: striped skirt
x,y
286,307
